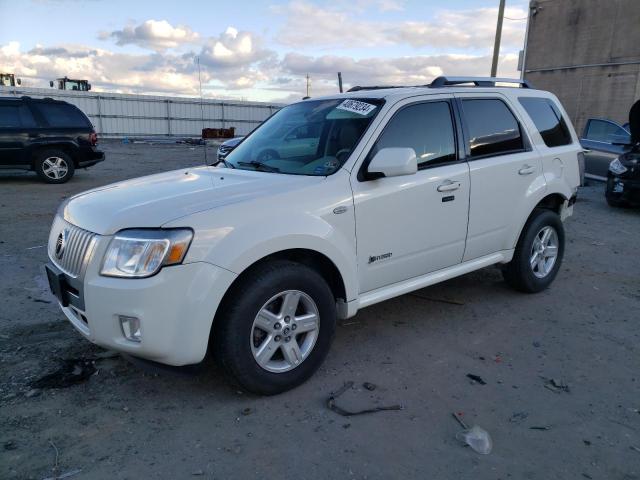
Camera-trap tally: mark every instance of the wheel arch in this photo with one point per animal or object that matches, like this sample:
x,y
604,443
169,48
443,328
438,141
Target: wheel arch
x,y
551,201
68,148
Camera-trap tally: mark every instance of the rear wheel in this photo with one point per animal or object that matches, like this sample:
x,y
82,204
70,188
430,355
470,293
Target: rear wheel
x,y
275,327
54,166
538,254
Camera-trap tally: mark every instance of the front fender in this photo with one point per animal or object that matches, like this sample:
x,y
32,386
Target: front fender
x,y
236,236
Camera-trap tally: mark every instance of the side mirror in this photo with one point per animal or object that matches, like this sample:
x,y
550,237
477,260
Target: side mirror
x,y
51,83
19,81
88,87
393,162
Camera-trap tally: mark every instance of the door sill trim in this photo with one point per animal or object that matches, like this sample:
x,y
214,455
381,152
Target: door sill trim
x,y
416,283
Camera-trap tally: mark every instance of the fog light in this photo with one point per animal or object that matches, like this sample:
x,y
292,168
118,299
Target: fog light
x,y
131,328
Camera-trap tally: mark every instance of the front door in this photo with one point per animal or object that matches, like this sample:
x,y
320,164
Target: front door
x,y
411,225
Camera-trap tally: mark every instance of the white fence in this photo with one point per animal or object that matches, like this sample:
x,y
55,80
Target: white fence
x,y
123,115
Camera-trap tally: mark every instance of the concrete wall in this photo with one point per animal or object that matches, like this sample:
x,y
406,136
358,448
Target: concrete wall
x,y
121,115
587,52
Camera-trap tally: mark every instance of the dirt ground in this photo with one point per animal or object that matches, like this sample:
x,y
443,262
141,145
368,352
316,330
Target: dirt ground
x,y
124,422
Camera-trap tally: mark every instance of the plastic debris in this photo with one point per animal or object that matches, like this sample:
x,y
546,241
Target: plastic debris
x,y
478,439
555,385
476,378
475,437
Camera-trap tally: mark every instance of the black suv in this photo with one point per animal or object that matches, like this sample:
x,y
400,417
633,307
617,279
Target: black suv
x,y
49,136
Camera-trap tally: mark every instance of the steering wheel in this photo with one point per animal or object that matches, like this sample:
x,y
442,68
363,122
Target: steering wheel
x,y
343,151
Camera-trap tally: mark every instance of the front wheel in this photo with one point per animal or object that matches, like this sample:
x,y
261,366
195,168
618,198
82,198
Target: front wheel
x,y
538,254
275,327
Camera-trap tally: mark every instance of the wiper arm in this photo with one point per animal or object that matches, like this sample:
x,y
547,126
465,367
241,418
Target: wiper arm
x,y
257,165
224,162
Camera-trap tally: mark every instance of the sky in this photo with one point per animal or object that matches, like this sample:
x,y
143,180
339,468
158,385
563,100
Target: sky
x,y
253,50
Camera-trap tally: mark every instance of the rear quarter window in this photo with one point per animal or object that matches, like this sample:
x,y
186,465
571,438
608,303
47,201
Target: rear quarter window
x,y
62,115
548,120
15,116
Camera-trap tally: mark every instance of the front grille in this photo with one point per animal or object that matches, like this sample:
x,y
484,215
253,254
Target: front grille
x,y
70,246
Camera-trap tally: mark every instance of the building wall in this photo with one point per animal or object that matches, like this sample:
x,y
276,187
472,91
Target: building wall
x,y
587,52
122,115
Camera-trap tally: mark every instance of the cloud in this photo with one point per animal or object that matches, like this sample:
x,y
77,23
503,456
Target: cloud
x,y
309,25
156,35
410,70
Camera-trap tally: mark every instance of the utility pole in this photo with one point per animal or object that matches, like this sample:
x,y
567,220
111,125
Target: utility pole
x,y
308,85
340,81
496,45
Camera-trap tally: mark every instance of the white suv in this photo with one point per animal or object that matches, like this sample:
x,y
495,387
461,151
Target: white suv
x,y
256,258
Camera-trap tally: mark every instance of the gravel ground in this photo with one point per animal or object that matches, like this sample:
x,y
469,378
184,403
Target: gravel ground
x,y
123,422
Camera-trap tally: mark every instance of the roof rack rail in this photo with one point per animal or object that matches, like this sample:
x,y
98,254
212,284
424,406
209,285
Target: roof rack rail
x,y
477,81
358,88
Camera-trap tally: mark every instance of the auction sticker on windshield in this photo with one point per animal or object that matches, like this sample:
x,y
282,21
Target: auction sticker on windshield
x,y
356,106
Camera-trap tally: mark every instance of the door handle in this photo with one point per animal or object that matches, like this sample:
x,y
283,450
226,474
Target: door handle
x,y
527,170
448,186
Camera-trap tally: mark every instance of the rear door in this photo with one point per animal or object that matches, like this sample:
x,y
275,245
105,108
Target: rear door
x,y
17,126
504,170
411,225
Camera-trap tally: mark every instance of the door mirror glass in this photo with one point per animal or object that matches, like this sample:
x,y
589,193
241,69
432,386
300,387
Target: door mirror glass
x,y
393,162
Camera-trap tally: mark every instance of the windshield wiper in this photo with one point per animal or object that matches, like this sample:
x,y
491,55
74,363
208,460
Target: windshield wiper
x,y
224,162
259,165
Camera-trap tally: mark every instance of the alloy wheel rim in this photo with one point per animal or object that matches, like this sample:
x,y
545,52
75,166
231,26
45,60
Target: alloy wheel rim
x,y
544,252
285,331
55,168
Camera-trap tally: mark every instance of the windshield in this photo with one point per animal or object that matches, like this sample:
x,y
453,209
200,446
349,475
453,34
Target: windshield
x,y
313,137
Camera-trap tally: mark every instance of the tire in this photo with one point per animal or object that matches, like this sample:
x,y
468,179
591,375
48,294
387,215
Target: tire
x,y
616,202
239,338
54,166
526,273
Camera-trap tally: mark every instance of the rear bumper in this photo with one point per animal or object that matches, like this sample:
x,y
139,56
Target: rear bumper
x,y
90,157
175,308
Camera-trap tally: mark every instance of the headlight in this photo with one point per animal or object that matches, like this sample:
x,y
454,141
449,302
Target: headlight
x,y
141,253
616,167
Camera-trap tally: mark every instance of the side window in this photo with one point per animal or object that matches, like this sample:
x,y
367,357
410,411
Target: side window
x,y
61,115
603,131
425,127
493,130
16,116
548,120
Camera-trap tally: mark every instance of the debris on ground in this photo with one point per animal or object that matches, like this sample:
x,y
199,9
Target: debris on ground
x,y
369,386
518,417
331,404
540,427
72,372
476,437
246,411
68,474
555,385
476,378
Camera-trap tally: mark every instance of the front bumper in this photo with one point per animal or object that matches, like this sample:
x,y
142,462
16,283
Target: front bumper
x,y
623,189
176,308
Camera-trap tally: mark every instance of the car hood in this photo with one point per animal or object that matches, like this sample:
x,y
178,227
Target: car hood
x,y
152,201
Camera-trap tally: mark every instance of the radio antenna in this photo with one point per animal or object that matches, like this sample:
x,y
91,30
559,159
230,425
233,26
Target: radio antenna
x,y
206,160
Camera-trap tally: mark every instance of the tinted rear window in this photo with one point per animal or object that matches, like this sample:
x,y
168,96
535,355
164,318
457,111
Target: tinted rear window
x,y
548,120
15,116
61,115
493,130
